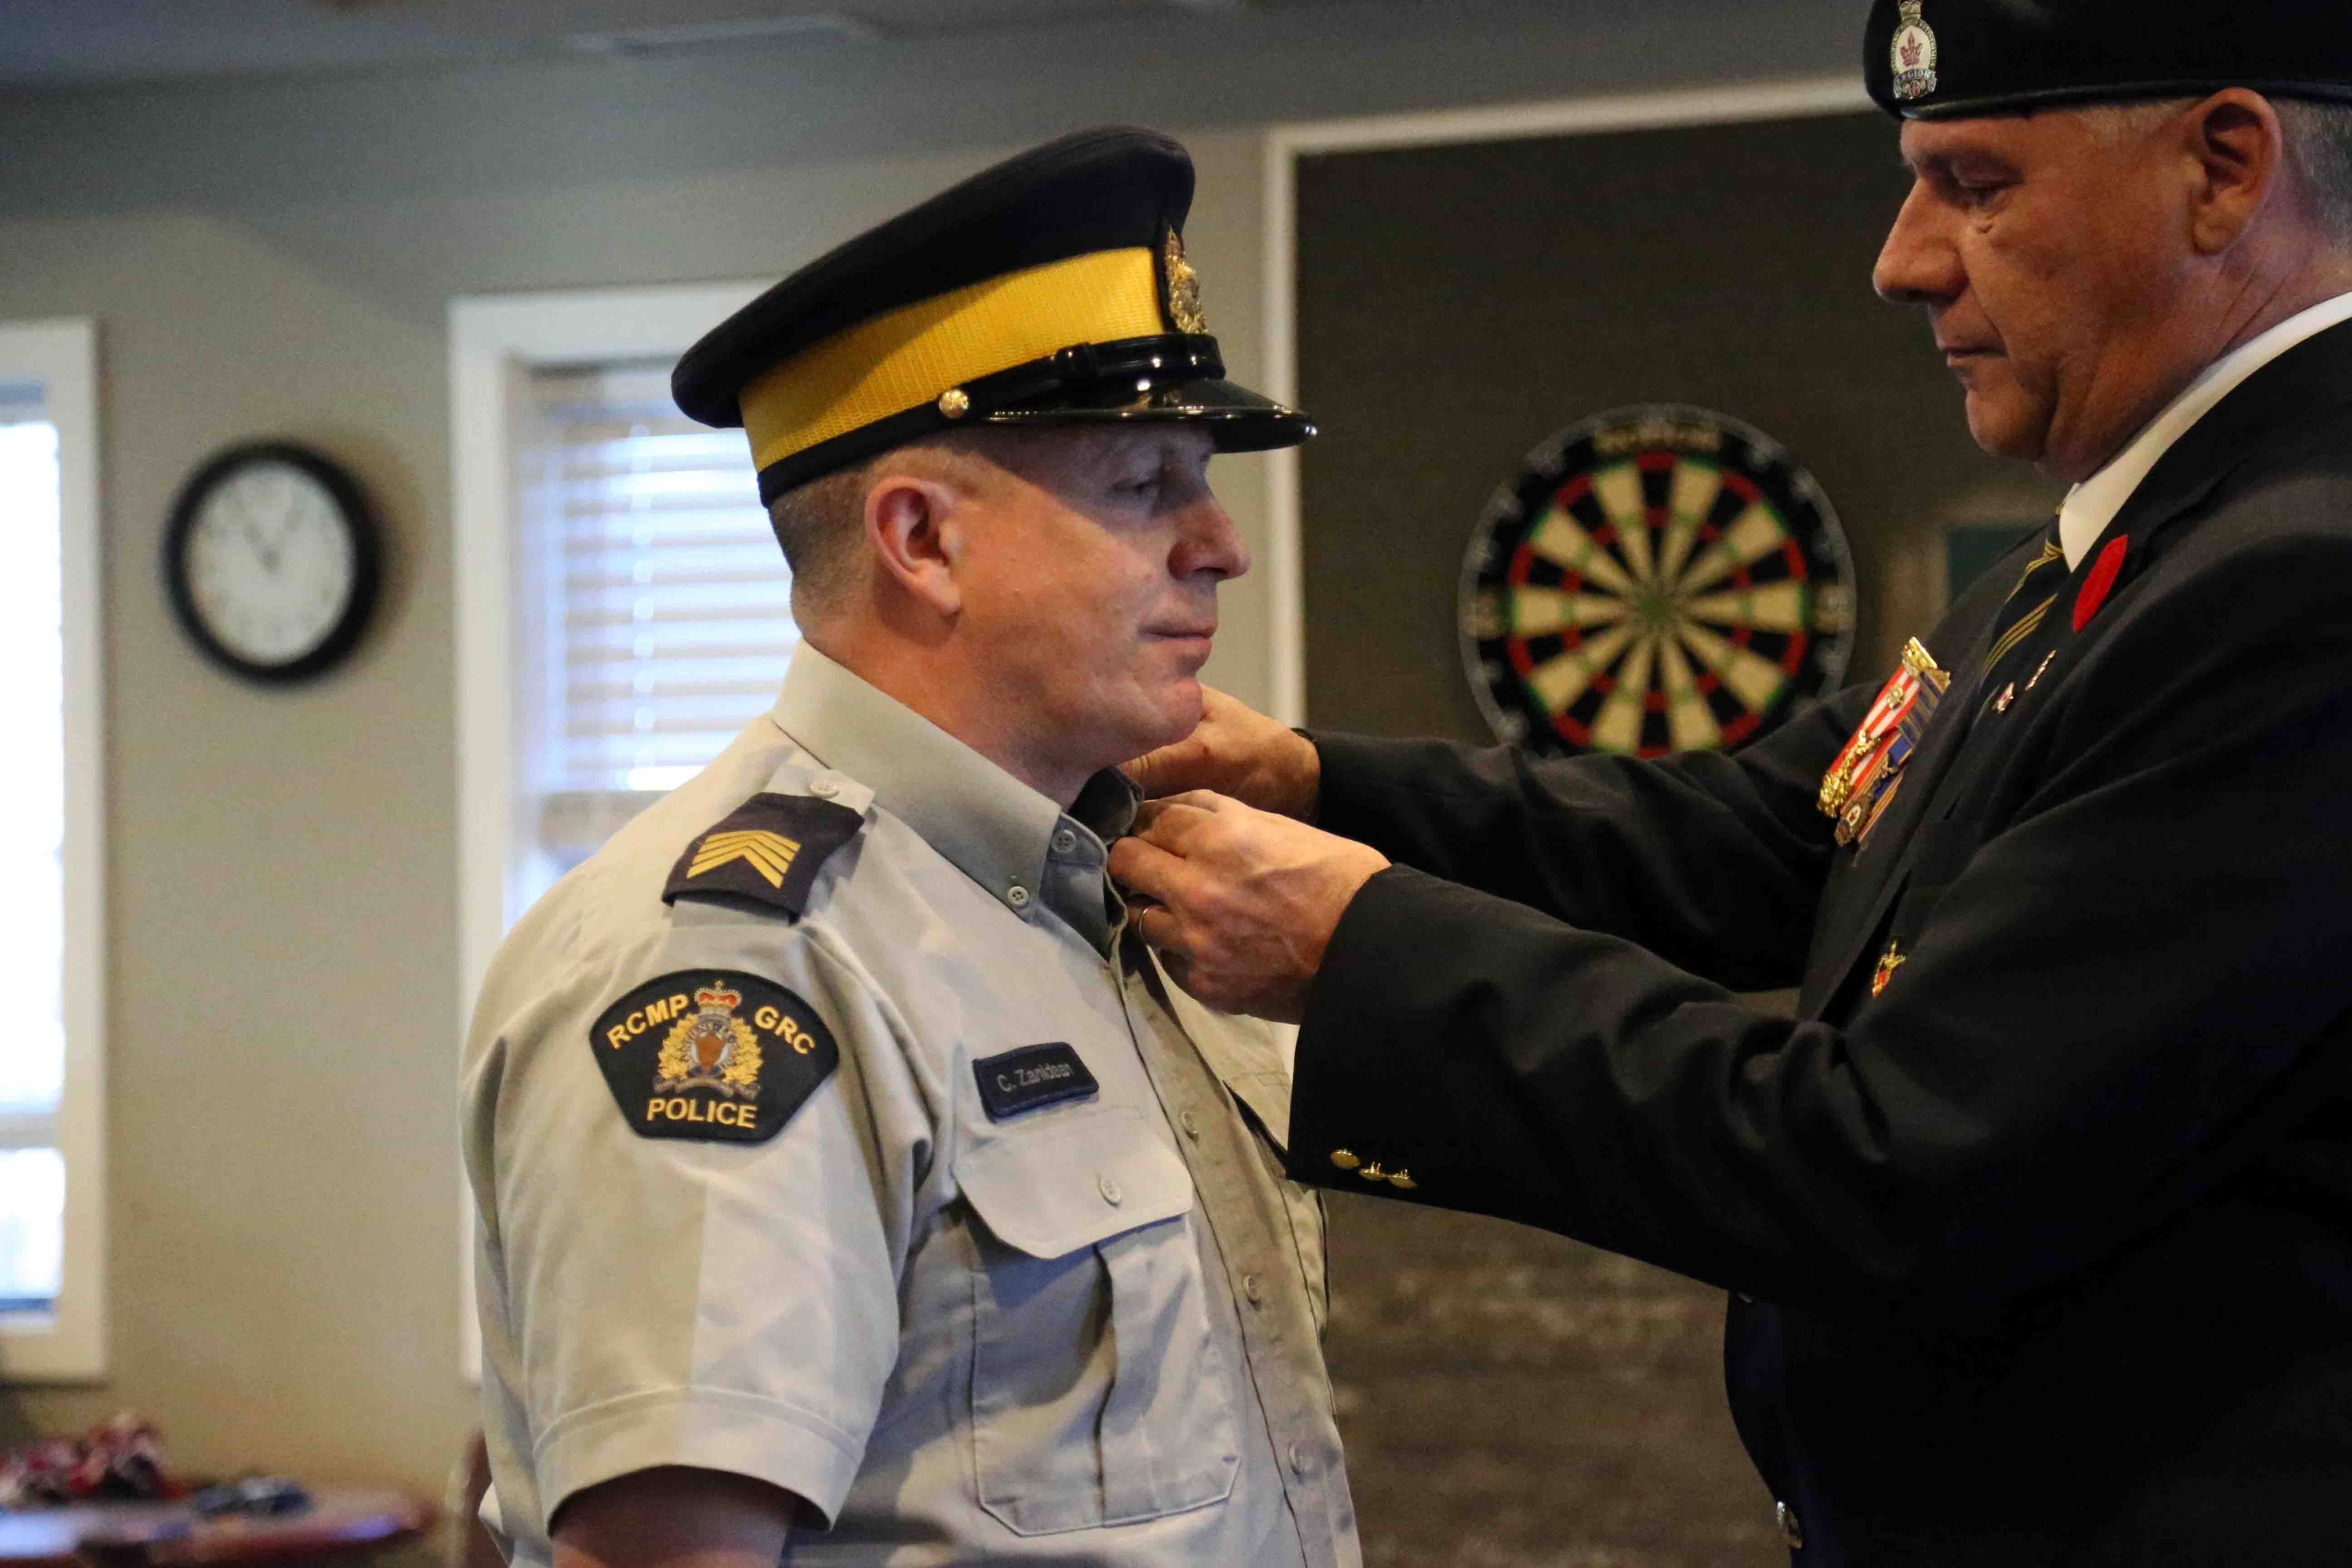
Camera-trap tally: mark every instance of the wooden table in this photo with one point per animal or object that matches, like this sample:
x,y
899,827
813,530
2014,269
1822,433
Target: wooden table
x,y
167,1534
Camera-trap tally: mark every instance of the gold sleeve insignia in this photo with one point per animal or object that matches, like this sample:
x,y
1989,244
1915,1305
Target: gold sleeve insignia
x,y
769,850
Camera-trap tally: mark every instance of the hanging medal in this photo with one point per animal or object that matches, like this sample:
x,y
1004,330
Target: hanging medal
x,y
1860,783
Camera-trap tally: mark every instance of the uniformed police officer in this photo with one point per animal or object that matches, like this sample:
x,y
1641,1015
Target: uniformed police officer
x,y
852,1187
2038,1214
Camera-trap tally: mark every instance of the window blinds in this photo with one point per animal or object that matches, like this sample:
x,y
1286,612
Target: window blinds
x,y
32,788
653,589
32,834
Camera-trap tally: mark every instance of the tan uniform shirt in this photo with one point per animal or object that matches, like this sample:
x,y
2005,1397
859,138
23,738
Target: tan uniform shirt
x,y
963,1310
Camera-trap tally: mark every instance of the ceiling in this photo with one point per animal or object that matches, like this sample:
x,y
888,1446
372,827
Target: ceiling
x,y
52,43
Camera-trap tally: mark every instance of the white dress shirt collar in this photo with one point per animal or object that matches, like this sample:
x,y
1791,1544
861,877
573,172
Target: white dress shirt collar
x,y
2093,504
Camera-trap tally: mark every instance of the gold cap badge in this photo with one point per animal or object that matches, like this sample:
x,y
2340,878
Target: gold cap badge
x,y
1185,312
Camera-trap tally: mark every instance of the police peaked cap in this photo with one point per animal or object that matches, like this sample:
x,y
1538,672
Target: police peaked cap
x,y
1050,290
1936,60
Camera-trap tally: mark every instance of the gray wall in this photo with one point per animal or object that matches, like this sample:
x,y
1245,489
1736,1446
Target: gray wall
x,y
277,257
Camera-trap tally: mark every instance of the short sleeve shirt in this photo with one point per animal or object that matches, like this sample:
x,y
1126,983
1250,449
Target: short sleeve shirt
x,y
928,1201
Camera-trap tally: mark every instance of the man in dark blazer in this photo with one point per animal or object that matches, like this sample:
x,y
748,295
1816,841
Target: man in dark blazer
x,y
2038,1211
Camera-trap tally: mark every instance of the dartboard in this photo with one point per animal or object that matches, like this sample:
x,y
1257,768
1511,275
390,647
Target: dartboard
x,y
1656,579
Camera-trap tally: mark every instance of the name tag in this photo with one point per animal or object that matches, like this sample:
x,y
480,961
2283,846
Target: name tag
x,y
1030,1078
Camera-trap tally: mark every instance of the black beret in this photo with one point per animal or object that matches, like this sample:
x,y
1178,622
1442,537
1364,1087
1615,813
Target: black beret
x,y
1936,60
1051,288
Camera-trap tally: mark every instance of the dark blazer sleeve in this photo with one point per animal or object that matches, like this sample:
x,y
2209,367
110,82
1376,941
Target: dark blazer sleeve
x,y
2141,965
1713,860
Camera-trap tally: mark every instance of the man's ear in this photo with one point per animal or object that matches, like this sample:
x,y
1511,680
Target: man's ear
x,y
914,527
2238,154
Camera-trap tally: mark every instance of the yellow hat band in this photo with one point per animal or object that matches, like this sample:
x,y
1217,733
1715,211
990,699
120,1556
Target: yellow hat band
x,y
909,357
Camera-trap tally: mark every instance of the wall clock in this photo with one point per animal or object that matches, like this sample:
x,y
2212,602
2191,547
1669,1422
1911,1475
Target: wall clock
x,y
1655,579
271,560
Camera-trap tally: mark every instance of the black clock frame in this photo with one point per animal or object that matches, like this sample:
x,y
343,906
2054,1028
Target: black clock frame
x,y
367,558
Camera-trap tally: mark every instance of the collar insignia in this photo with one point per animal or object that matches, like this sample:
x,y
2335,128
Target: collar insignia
x,y
1913,51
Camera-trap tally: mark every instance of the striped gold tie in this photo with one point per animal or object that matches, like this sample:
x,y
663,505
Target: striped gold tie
x,y
2022,612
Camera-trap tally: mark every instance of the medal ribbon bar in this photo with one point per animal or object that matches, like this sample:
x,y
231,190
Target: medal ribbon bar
x,y
1862,779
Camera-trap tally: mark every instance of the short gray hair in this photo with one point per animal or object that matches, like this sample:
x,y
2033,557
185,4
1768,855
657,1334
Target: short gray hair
x,y
2319,141
2318,147
822,526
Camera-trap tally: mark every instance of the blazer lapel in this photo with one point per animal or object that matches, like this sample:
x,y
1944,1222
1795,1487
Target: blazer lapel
x,y
2313,377
1877,868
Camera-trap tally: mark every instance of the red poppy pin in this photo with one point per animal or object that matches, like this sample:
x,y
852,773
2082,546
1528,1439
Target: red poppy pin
x,y
2102,578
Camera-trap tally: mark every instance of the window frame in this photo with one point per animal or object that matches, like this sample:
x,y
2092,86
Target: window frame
x,y
70,1345
496,341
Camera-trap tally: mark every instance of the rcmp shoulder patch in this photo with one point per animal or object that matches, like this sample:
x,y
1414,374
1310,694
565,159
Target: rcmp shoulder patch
x,y
713,1054
769,850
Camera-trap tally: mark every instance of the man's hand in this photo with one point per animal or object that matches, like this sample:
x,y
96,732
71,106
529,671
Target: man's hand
x,y
1243,902
1239,752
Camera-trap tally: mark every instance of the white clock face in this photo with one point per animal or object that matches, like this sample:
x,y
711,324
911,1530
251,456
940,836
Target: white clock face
x,y
270,562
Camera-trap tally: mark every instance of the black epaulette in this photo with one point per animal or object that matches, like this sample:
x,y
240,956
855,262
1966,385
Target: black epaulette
x,y
769,850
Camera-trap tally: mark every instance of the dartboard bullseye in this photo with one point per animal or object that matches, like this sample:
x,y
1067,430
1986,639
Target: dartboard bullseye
x,y
1656,579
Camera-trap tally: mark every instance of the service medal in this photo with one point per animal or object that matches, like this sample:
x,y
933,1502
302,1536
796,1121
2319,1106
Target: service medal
x,y
1860,783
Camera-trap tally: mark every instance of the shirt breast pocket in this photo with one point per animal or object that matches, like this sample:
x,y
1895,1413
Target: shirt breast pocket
x,y
1098,1394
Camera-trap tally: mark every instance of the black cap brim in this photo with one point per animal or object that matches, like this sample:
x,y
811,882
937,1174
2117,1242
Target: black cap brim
x,y
1237,419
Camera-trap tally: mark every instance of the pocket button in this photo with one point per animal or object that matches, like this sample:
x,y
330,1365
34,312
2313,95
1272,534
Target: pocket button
x,y
1109,1190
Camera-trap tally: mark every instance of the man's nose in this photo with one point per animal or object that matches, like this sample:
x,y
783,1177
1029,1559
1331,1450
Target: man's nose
x,y
1917,265
1210,542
